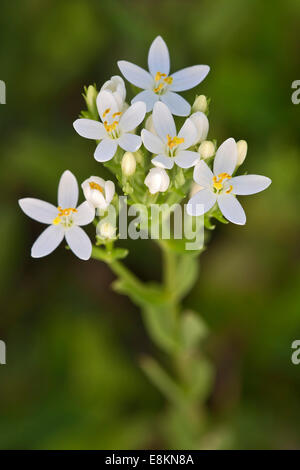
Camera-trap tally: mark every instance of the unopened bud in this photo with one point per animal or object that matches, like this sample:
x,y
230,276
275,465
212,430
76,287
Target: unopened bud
x,y
90,99
206,149
242,148
200,104
128,164
106,231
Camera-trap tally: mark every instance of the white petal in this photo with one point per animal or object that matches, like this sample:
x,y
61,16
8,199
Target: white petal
x,y
152,142
106,104
89,129
136,75
189,77
85,214
133,116
41,211
158,57
130,142
203,174
226,157
148,97
109,191
201,202
67,190
202,125
176,104
79,242
162,161
163,121
186,158
105,150
231,209
47,241
249,184
117,86
189,133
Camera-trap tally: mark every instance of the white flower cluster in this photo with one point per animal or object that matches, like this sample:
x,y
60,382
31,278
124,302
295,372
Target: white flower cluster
x,y
120,138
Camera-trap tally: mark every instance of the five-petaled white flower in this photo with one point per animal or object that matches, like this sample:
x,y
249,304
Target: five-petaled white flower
x,y
64,220
158,84
98,192
167,145
219,186
116,126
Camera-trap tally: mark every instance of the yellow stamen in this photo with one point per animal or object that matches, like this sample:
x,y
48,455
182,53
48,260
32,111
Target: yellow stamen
x,y
159,75
106,112
158,88
218,181
62,213
110,127
116,114
168,80
175,141
229,189
94,185
56,221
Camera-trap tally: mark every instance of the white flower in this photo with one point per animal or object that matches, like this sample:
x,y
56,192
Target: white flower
x,y
128,164
219,186
116,127
158,84
98,193
201,123
167,145
106,230
117,87
64,220
157,180
206,149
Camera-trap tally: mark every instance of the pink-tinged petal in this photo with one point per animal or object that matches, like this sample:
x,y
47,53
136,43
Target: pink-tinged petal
x,y
161,161
105,150
79,242
89,129
148,97
85,214
249,184
163,121
231,209
158,57
226,157
136,75
201,202
189,77
67,190
203,174
152,142
186,158
38,210
130,142
49,239
176,104
133,116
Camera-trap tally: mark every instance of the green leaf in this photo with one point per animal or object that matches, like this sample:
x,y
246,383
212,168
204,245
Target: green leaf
x,y
193,329
162,327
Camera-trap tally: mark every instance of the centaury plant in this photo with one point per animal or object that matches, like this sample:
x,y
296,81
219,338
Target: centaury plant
x,y
156,166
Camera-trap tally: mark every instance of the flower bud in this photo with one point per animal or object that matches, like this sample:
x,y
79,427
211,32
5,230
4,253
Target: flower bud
x,y
90,99
242,148
128,164
206,149
106,231
157,180
200,104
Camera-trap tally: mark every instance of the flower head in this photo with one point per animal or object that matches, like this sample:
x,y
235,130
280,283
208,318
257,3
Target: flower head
x,y
158,84
98,193
157,180
219,186
116,127
169,146
65,220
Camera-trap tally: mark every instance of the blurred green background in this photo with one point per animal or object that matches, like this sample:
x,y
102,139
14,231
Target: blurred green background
x,y
72,378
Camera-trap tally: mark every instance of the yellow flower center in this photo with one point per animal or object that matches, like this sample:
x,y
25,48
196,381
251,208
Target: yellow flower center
x,y
161,80
174,142
63,213
97,186
110,127
218,181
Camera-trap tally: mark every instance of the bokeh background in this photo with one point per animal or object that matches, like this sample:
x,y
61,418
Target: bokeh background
x,y
72,378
